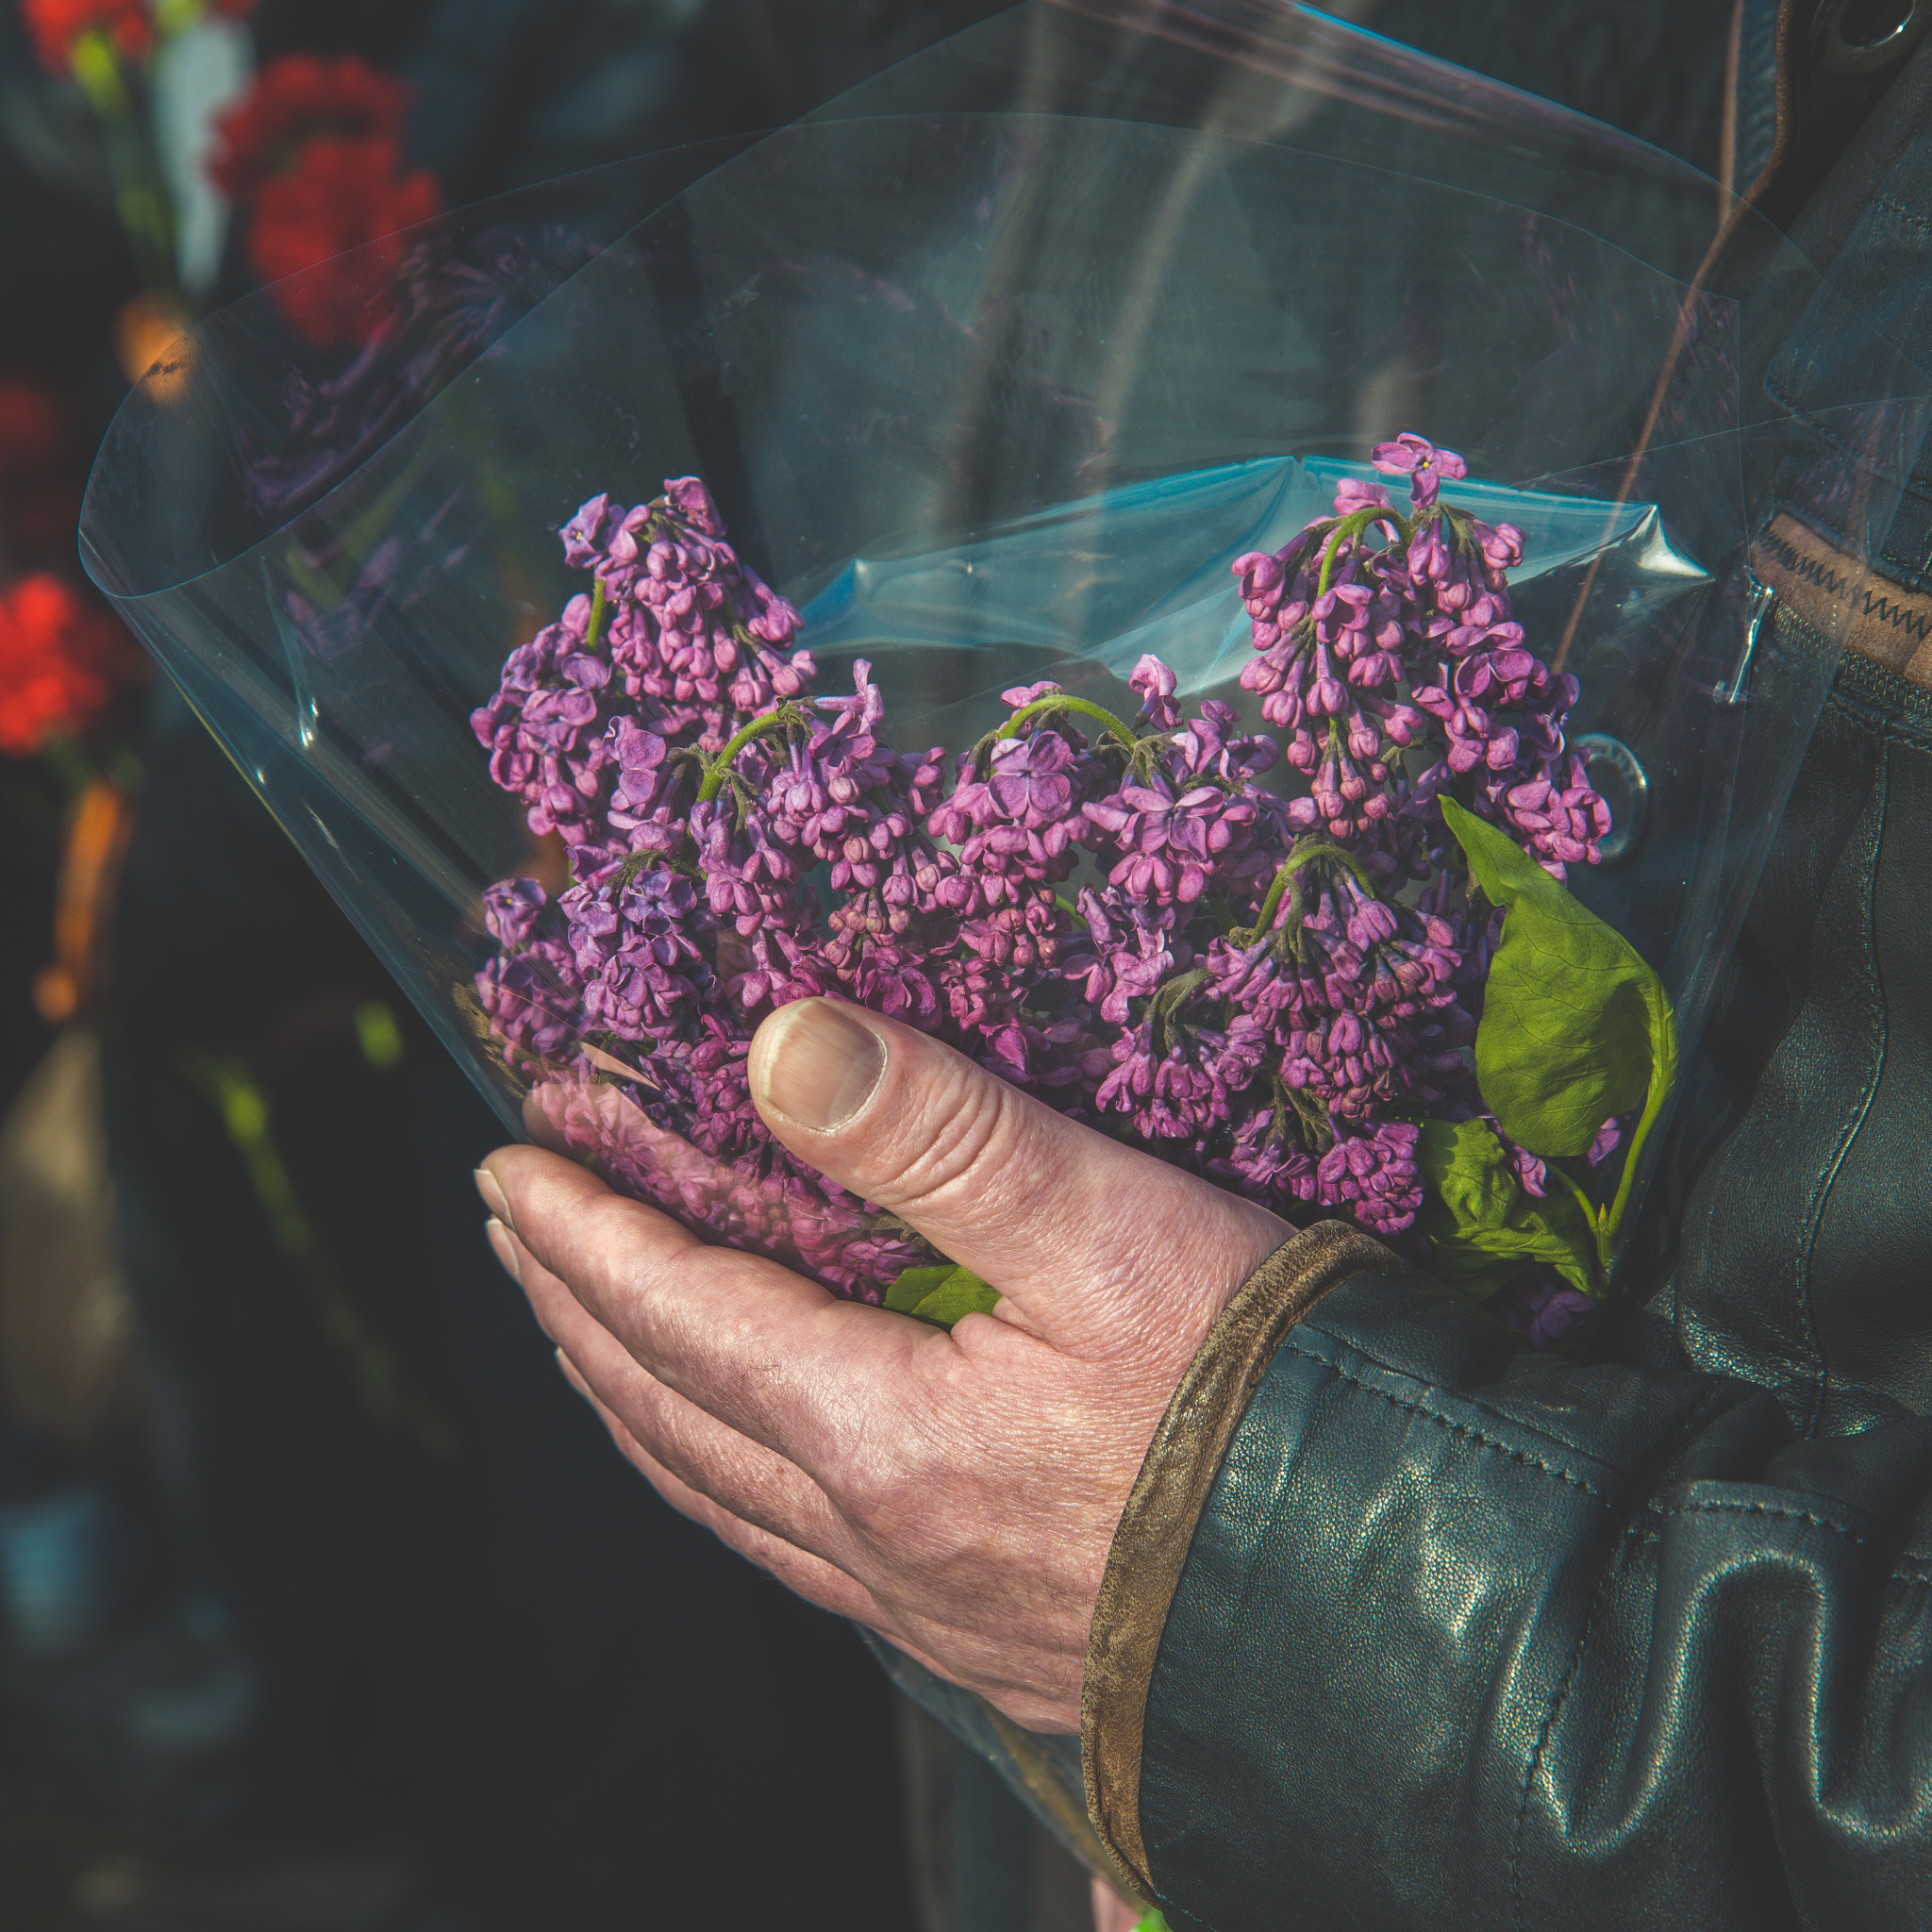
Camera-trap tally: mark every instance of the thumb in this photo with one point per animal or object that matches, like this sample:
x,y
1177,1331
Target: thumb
x,y
1093,1243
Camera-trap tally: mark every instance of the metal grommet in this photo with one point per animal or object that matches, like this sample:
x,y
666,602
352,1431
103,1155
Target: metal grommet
x,y
1861,37
1621,782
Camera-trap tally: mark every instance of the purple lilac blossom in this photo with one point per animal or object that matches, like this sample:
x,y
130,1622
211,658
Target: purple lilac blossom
x,y
1270,989
1542,1305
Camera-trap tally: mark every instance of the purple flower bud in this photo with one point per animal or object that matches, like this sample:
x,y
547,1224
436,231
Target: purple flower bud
x,y
513,910
692,502
1352,494
1157,685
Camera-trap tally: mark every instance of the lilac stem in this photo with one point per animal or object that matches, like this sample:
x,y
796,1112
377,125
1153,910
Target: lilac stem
x,y
1653,1105
1593,1216
1292,864
1350,527
786,717
1039,707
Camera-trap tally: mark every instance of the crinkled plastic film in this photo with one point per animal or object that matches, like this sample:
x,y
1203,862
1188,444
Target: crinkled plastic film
x,y
993,366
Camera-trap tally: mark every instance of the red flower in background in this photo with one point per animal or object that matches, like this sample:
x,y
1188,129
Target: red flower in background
x,y
56,24
313,156
293,101
58,656
339,195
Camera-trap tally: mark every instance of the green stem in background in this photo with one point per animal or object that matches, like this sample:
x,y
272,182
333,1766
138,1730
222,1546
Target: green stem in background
x,y
63,756
1300,856
594,629
786,717
97,70
380,1376
1318,1124
173,16
141,194
378,1035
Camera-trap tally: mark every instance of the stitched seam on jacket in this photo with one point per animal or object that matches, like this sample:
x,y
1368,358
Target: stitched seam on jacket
x,y
1909,1569
1876,1034
1635,1535
1455,1429
1905,214
1778,387
1543,1737
1562,1476
1913,1570
1760,1510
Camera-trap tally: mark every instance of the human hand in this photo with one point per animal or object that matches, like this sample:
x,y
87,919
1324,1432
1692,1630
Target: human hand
x,y
956,1493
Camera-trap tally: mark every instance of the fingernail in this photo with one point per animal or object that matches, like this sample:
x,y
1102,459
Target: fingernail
x,y
820,1065
493,1197
504,1249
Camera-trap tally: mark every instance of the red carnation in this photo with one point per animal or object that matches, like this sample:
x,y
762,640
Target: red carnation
x,y
339,195
293,101
56,24
56,655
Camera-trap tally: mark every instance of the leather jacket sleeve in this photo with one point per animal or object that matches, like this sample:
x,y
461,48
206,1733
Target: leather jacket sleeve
x,y
1464,1636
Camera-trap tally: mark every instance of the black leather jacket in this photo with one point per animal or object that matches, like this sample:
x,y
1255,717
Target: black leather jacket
x,y
1406,1629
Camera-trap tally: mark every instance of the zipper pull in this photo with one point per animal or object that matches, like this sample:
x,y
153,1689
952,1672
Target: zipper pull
x,y
1760,601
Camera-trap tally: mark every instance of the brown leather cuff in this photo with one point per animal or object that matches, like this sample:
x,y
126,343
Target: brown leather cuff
x,y
1150,1546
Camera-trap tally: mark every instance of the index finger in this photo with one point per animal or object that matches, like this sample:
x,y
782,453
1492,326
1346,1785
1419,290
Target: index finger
x,y
764,1350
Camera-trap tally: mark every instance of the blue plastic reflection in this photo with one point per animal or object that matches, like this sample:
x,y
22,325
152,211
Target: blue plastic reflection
x,y
1145,567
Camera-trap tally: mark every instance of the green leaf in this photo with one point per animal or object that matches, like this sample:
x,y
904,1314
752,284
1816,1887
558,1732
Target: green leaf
x,y
941,1295
1575,1026
914,1285
1484,1226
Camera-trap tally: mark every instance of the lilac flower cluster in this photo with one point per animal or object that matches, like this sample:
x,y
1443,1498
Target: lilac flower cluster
x,y
1268,984
1366,650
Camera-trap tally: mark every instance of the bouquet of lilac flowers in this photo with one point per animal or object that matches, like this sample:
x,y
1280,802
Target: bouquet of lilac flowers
x,y
1336,971
1288,876
1303,897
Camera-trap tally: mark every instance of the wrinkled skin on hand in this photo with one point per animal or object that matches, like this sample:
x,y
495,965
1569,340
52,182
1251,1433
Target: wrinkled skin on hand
x,y
956,1493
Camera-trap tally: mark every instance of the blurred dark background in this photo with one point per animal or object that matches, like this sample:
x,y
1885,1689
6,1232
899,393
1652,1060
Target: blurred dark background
x,y
323,1603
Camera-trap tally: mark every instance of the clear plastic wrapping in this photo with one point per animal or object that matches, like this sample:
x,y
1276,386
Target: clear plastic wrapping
x,y
995,369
